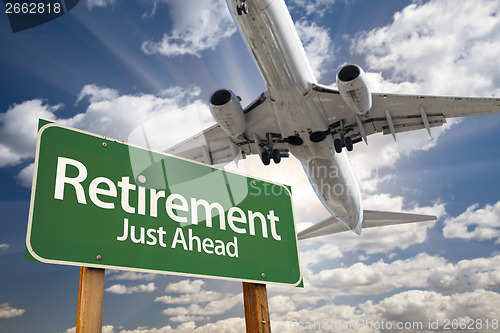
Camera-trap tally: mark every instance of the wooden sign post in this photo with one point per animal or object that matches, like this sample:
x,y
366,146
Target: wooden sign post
x,y
90,297
256,308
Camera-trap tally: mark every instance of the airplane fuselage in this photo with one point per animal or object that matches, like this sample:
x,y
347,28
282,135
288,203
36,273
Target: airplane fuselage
x,y
280,55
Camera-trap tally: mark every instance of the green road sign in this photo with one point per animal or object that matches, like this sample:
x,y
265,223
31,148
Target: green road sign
x,y
103,203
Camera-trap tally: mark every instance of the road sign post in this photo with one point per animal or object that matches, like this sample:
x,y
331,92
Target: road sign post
x,y
256,308
90,300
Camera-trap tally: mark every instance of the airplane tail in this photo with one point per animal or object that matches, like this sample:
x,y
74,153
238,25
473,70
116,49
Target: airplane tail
x,y
371,219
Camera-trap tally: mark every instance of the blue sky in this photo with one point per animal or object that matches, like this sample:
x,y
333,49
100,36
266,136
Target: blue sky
x,y
109,66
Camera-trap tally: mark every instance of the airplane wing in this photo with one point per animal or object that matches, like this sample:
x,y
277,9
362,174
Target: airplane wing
x,y
394,113
371,219
215,146
390,114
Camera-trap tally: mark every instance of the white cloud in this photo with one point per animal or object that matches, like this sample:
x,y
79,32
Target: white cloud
x,y
96,94
376,278
185,287
25,177
117,115
201,296
121,289
313,7
475,224
192,293
413,307
18,128
466,275
4,246
437,46
317,44
99,3
229,325
7,311
217,307
131,276
424,306
281,303
193,31
108,113
423,271
188,318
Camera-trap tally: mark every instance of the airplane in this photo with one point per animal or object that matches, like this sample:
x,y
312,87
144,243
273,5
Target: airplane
x,y
314,122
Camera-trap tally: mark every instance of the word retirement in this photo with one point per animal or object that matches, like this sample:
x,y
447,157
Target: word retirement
x,y
134,199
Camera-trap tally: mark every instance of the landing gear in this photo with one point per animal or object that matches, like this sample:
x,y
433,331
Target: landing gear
x,y
242,9
348,143
338,144
343,141
266,156
276,156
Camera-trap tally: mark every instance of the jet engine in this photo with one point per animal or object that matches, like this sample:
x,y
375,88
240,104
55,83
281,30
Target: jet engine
x,y
351,82
226,109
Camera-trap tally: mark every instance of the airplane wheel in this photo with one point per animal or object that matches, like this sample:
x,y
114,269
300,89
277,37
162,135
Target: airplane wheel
x,y
348,144
338,145
266,158
242,9
276,156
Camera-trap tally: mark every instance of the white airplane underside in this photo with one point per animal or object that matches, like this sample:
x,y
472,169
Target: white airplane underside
x,y
315,123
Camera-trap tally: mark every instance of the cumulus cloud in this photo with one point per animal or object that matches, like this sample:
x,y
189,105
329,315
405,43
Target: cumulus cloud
x,y
423,272
441,53
416,306
117,116
122,290
7,311
131,276
475,224
185,286
18,129
201,296
377,278
317,44
139,119
466,275
193,34
216,307
229,325
281,303
312,7
202,303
